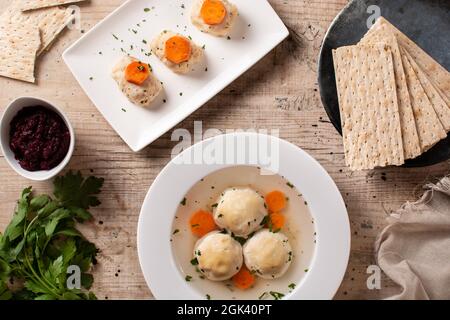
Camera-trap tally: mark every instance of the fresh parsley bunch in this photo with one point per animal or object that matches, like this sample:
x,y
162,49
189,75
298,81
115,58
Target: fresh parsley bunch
x,y
42,241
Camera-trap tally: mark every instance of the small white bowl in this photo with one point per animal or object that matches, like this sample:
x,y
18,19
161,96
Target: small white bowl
x,y
11,110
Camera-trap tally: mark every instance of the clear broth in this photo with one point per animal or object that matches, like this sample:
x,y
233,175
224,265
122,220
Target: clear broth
x,y
299,229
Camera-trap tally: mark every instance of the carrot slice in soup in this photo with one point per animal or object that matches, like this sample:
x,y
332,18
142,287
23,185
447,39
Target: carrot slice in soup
x,y
201,223
276,201
213,12
277,221
244,279
137,72
178,49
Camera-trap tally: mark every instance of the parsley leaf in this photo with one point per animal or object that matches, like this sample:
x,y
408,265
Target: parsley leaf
x,y
276,295
42,242
74,191
5,294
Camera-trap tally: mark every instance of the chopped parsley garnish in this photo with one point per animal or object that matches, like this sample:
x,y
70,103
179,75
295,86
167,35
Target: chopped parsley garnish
x,y
188,278
183,202
146,9
290,185
176,231
291,286
276,295
115,37
306,270
262,296
241,240
194,262
208,297
264,221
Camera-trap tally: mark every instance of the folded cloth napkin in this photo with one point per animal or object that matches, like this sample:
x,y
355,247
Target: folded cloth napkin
x,y
414,249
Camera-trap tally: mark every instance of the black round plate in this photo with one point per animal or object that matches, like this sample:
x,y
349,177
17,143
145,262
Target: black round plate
x,y
426,22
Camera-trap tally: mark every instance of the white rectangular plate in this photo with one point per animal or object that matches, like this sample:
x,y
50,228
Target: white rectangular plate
x,y
258,30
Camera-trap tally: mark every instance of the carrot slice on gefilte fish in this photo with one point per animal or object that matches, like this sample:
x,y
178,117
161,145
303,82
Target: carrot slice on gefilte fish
x,y
213,12
178,49
137,72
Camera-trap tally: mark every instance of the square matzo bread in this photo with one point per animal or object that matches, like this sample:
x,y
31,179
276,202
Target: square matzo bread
x,y
51,21
18,49
438,75
369,111
429,127
439,105
38,4
342,62
410,137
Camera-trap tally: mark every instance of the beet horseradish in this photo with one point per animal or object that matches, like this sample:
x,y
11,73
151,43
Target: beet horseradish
x,y
39,138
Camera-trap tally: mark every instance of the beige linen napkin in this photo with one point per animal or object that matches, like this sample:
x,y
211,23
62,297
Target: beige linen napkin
x,y
414,249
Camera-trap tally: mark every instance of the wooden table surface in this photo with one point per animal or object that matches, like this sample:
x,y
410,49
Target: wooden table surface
x,y
280,92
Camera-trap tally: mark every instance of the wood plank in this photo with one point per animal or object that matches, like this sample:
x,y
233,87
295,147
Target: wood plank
x,y
280,92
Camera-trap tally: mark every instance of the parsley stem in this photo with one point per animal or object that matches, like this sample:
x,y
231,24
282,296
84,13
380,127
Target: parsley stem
x,y
29,226
43,281
46,244
39,279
